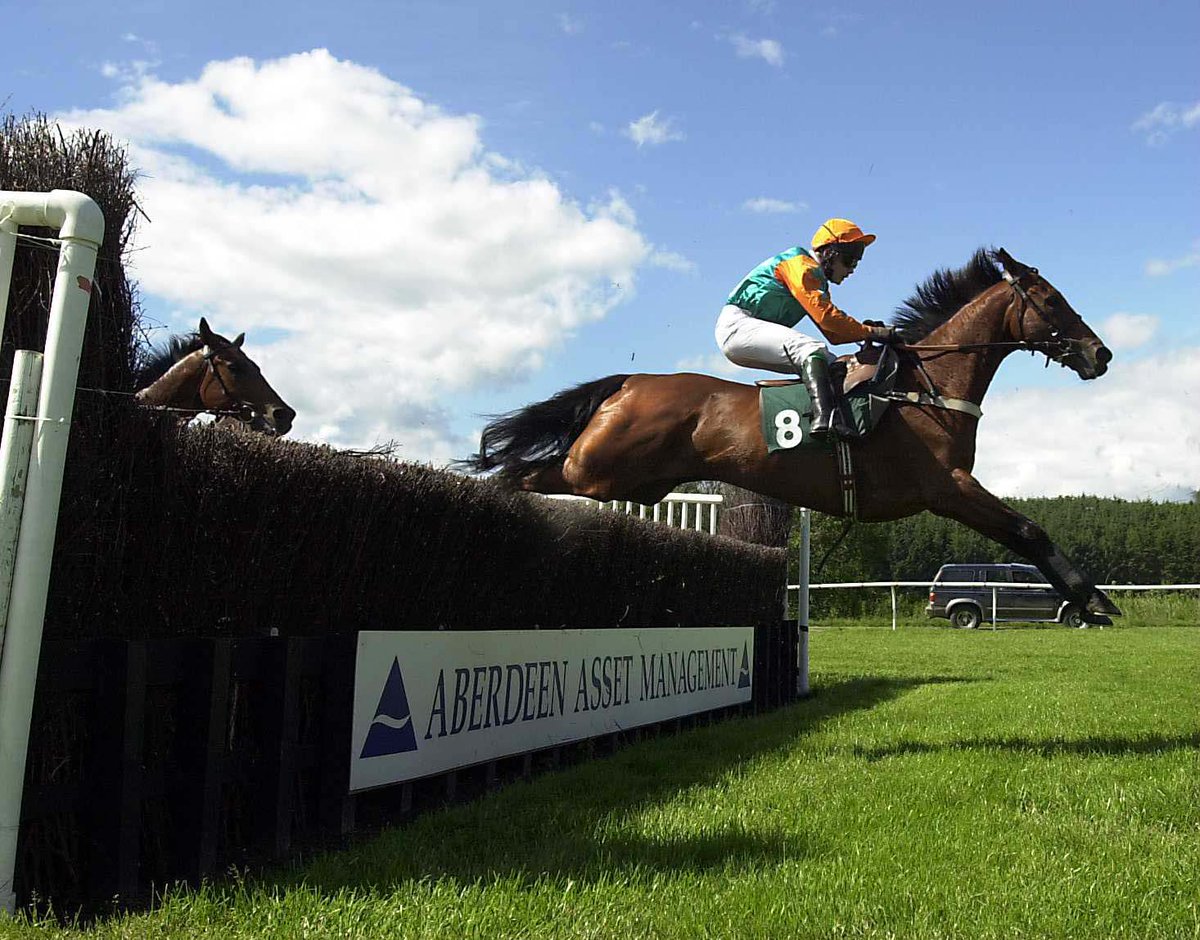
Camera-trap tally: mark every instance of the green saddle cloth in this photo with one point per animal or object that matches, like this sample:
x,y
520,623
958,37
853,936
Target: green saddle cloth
x,y
787,416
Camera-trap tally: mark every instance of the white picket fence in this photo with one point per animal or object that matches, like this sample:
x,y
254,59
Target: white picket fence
x,y
696,511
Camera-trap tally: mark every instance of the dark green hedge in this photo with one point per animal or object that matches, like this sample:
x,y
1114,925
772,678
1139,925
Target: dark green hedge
x,y
208,532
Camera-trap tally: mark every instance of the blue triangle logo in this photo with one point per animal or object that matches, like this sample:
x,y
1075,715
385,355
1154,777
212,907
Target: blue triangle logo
x,y
391,729
744,676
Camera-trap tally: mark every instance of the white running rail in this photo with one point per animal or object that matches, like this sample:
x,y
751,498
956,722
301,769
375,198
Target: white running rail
x,y
994,585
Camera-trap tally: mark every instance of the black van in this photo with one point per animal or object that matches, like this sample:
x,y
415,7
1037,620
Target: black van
x,y
967,607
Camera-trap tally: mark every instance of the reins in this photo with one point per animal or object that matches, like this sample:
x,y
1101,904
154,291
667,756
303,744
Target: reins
x,y
1054,348
216,412
243,411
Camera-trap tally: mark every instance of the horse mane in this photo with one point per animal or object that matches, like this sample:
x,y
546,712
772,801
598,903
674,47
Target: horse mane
x,y
944,293
160,360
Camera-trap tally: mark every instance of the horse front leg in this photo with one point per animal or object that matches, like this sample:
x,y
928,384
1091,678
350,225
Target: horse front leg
x,y
969,503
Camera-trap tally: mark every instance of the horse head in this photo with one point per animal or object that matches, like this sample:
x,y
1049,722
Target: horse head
x,y
1041,316
232,380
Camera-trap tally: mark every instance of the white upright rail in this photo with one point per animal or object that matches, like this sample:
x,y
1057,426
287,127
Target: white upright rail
x,y
80,225
696,511
802,602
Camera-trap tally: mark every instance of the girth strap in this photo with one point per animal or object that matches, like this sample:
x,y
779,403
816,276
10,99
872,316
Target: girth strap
x,y
846,479
924,398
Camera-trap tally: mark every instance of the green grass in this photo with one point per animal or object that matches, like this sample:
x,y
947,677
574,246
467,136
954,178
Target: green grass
x,y
940,783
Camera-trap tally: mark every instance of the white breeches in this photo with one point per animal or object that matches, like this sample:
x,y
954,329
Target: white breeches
x,y
761,344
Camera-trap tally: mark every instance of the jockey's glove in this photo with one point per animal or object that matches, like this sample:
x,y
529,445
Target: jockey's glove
x,y
881,333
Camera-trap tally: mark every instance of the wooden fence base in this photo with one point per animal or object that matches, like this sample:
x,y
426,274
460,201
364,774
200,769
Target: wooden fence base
x,y
155,762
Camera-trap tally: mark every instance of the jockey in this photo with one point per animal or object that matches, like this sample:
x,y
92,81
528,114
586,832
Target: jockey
x,y
755,325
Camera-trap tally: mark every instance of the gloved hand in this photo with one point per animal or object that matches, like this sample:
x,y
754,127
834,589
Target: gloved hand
x,y
881,333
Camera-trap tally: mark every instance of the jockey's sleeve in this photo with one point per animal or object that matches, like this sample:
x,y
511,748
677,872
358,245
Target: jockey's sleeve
x,y
800,276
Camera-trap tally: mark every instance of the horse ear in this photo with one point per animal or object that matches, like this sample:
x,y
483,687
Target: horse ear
x,y
206,333
1011,264
237,343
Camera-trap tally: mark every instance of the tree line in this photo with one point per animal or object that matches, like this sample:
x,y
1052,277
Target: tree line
x,y
1112,540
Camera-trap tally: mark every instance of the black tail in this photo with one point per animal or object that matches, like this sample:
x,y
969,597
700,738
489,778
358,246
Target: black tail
x,y
538,436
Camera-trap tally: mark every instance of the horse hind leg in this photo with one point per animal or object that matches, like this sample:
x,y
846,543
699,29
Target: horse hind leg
x,y
551,481
972,505
547,480
605,466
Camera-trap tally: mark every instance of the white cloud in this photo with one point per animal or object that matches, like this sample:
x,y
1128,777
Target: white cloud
x,y
836,22
769,50
1165,119
765,204
1126,331
131,71
716,364
401,261
648,129
569,25
1157,267
672,261
1120,435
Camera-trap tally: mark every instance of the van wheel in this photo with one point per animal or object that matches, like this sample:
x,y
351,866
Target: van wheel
x,y
1073,617
965,618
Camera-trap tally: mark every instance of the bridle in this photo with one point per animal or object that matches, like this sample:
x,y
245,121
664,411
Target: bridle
x,y
1057,348
242,410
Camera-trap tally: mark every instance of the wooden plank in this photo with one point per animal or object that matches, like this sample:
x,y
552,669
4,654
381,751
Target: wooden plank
x,y
762,668
202,729
286,755
114,773
335,804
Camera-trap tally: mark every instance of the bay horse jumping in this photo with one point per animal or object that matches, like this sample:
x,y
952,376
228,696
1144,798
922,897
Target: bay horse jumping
x,y
636,437
205,372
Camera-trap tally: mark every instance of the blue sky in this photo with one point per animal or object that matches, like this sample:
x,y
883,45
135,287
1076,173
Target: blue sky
x,y
424,212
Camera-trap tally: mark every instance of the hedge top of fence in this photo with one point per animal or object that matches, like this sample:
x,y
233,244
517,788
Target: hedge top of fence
x,y
168,533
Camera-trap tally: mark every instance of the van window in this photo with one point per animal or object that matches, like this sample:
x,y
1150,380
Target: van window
x,y
957,573
996,574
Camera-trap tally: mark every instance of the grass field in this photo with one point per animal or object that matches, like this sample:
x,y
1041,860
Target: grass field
x,y
1014,783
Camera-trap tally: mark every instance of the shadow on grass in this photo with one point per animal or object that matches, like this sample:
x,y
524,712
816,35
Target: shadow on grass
x,y
1043,747
617,814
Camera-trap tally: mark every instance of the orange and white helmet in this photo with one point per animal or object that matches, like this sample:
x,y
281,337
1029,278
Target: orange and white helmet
x,y
840,232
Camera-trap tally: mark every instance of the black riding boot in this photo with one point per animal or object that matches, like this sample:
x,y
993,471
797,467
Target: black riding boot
x,y
826,416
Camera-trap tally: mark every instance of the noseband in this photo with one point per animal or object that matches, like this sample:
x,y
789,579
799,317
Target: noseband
x,y
1058,347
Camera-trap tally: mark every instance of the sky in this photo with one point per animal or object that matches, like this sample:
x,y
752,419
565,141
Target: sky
x,y
423,213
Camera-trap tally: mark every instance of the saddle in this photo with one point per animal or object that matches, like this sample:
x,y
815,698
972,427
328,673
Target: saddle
x,y
870,374
874,366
